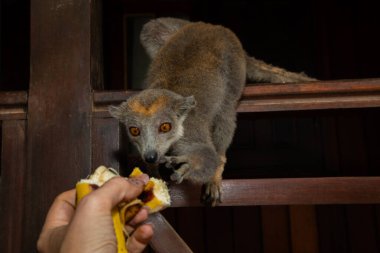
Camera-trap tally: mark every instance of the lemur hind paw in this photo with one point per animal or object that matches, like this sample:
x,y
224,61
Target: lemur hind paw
x,y
211,194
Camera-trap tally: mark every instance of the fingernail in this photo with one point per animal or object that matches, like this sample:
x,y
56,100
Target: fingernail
x,y
135,181
144,178
141,179
149,223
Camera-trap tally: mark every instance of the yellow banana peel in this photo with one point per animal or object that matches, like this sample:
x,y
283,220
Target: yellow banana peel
x,y
155,196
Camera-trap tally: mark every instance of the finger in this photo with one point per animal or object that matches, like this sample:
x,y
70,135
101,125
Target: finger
x,y
51,240
140,238
58,217
114,191
61,211
140,217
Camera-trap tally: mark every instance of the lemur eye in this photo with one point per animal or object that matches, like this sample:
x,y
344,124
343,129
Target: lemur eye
x,y
135,131
165,127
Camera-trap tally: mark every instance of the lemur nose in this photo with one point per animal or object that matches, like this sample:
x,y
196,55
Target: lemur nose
x,y
151,156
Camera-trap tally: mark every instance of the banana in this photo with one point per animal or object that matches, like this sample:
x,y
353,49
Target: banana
x,y
155,196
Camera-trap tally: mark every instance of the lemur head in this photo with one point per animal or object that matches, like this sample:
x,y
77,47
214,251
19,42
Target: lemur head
x,y
154,120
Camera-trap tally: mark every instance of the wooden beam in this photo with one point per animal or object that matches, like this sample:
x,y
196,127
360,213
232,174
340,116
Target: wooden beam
x,y
13,105
311,103
287,191
13,98
13,113
317,87
318,95
59,106
105,142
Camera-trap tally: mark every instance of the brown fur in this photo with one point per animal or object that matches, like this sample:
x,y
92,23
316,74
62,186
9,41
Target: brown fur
x,y
137,107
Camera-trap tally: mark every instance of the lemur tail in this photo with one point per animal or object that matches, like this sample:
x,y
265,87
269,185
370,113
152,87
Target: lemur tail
x,y
260,71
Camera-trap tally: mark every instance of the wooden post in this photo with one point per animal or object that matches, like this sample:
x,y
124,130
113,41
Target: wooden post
x,y
12,185
59,106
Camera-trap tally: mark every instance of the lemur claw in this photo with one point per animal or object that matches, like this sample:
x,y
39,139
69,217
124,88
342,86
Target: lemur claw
x,y
180,174
170,161
163,159
176,177
211,194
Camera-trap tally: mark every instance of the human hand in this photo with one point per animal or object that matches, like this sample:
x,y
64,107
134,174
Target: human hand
x,y
89,226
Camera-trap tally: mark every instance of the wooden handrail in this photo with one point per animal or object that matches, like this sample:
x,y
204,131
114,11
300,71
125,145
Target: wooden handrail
x,y
13,105
318,87
287,191
337,94
318,95
13,98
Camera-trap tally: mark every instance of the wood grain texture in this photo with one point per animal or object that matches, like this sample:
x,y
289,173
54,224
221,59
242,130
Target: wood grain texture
x,y
105,142
13,105
317,87
289,191
97,61
361,93
12,187
59,106
13,113
13,98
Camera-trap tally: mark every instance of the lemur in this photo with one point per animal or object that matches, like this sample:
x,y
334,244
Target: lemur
x,y
186,117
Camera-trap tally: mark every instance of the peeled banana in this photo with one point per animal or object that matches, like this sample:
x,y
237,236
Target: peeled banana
x,y
155,196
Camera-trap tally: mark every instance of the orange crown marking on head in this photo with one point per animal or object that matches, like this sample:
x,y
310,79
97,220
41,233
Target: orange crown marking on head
x,y
136,106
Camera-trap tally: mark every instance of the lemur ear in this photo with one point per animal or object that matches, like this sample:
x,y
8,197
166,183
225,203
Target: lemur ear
x,y
117,111
185,104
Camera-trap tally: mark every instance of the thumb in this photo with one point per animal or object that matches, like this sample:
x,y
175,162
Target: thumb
x,y
116,190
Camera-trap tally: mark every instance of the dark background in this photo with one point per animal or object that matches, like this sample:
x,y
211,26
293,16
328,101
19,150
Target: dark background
x,y
327,39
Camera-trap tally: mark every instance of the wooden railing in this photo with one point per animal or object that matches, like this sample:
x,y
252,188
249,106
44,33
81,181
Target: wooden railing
x,y
13,105
338,94
287,191
105,138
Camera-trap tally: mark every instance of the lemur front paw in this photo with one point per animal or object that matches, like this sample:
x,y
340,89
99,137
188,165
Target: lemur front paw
x,y
176,177
179,174
211,194
170,162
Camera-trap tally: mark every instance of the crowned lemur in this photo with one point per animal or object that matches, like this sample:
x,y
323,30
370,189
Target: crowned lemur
x,y
186,118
